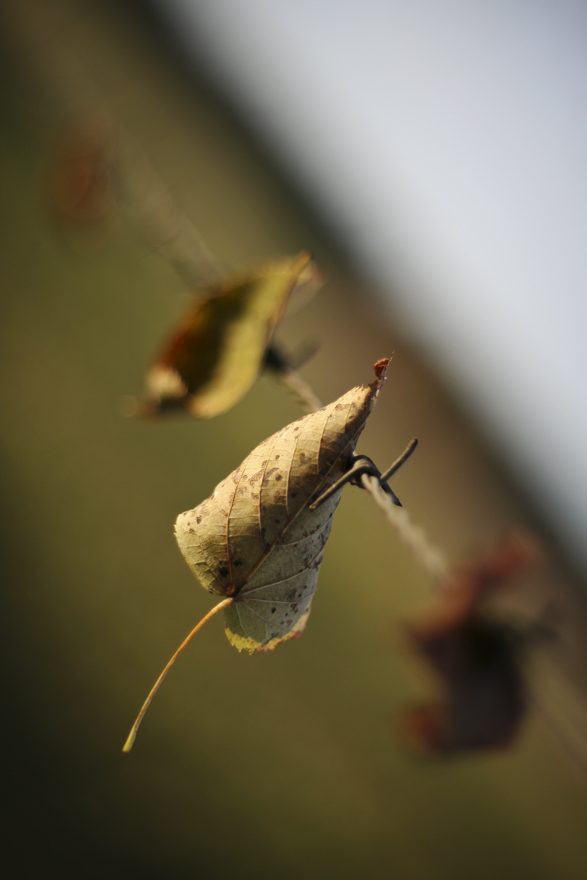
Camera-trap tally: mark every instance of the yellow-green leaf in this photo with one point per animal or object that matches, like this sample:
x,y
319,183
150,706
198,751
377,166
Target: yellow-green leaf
x,y
256,540
215,356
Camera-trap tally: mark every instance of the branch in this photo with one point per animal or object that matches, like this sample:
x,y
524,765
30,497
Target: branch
x,y
278,363
161,221
430,558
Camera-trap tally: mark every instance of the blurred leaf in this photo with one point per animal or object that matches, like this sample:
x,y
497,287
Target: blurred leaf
x,y
475,658
215,356
79,173
255,539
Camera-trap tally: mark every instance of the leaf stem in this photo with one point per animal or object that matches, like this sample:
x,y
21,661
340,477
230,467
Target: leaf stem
x,y
301,390
158,217
132,735
431,558
280,364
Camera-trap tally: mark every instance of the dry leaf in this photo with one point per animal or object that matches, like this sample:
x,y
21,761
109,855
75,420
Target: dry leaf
x,y
255,539
256,542
485,699
475,658
79,173
216,355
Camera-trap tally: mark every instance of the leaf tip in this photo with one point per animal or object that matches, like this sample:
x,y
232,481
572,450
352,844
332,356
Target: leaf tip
x,y
380,367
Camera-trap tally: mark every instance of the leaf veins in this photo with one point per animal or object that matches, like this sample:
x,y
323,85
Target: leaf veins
x,y
255,539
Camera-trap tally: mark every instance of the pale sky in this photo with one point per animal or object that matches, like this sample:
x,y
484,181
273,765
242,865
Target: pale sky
x,y
446,142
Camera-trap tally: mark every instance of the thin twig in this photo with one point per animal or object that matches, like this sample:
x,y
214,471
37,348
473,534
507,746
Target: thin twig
x,y
279,363
300,389
157,215
431,558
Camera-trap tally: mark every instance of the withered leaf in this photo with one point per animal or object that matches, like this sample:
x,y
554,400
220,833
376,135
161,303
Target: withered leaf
x,y
216,354
256,541
485,698
476,658
79,173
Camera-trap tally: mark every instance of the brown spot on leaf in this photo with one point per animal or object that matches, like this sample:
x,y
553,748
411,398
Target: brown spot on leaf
x,y
254,531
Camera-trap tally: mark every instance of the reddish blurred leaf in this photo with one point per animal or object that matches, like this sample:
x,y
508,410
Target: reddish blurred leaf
x,y
474,657
79,174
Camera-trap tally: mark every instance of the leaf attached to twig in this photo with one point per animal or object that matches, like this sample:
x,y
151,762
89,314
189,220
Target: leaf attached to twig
x,y
256,540
216,354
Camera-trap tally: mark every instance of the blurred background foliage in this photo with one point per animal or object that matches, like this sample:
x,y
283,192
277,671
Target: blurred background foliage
x,y
291,763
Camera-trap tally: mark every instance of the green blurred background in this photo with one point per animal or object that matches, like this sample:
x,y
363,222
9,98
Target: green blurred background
x,y
288,764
